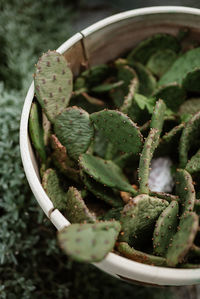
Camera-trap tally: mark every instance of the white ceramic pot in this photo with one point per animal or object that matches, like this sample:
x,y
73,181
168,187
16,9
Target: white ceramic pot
x,y
99,43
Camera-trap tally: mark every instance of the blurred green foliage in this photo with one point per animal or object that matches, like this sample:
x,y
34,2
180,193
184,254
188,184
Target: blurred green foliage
x,y
31,264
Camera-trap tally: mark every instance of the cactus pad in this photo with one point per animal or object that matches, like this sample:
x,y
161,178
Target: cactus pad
x,y
128,138
61,160
138,218
165,228
140,256
172,94
129,77
76,210
182,66
74,130
185,190
147,82
160,61
193,165
183,239
149,46
53,83
89,242
145,160
51,185
157,119
191,106
36,131
191,81
189,134
105,172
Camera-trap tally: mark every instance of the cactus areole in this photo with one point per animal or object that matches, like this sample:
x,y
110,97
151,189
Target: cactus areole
x,y
113,141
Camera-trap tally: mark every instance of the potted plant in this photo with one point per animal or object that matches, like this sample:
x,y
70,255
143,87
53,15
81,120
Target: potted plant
x,y
101,43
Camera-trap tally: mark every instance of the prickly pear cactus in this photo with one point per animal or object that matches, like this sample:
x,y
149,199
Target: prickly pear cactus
x,y
36,131
140,256
99,150
76,210
165,228
75,131
128,138
89,242
183,239
53,83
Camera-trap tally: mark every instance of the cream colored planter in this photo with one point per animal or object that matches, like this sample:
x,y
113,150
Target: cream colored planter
x,y
99,43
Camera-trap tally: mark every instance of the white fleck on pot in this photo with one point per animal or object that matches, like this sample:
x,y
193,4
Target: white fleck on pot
x,y
99,43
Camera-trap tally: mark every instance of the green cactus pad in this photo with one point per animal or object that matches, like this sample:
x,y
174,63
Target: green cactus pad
x,y
172,94
160,61
189,134
191,106
105,172
138,218
182,66
191,81
185,190
150,145
61,160
74,130
102,192
60,152
36,131
165,228
140,256
76,210
117,97
129,77
193,165
183,239
129,102
46,129
51,185
53,83
149,46
157,119
128,138
145,160
89,242
147,82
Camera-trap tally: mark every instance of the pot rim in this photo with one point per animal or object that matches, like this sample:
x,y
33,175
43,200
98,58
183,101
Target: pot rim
x,y
113,263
